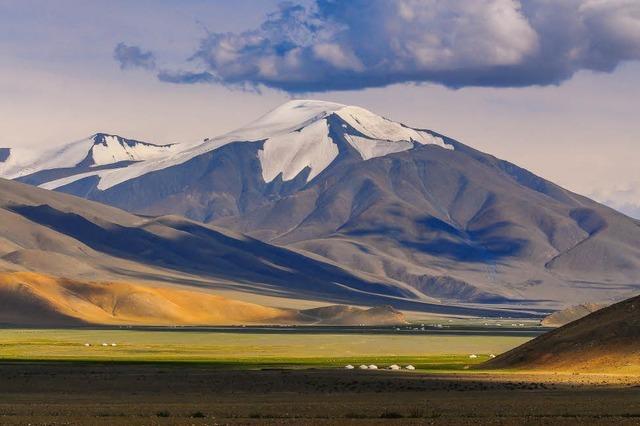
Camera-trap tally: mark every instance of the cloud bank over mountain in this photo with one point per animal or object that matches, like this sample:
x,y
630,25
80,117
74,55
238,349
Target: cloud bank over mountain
x,y
332,45
624,198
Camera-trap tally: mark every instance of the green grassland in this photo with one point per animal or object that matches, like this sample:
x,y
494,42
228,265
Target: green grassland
x,y
252,350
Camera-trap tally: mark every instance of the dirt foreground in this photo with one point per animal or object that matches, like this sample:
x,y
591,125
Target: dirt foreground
x,y
118,394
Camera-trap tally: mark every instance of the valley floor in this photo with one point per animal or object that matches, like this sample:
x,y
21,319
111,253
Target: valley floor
x,y
292,376
39,393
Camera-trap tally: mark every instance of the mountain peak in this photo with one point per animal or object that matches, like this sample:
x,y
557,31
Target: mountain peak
x,y
100,135
111,149
288,117
99,149
300,113
298,135
101,138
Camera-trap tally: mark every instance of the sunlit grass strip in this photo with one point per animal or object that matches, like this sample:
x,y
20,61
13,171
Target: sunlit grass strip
x,y
432,363
426,352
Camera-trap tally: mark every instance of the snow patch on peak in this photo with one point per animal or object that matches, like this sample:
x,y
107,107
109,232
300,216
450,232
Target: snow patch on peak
x,y
372,148
289,154
286,118
383,129
379,136
110,149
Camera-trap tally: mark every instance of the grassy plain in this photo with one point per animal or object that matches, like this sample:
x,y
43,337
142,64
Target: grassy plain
x,y
251,349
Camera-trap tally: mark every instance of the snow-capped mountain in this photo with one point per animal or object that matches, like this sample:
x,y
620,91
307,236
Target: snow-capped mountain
x,y
93,153
408,206
295,137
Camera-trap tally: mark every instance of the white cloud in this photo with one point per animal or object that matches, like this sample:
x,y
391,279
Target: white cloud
x,y
358,44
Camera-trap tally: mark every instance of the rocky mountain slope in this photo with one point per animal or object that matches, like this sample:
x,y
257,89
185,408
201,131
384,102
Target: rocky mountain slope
x,y
62,236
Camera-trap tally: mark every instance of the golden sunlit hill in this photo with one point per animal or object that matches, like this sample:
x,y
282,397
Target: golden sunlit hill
x,y
606,341
28,298
35,299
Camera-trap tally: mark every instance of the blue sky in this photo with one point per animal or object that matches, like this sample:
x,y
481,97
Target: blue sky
x,y
552,88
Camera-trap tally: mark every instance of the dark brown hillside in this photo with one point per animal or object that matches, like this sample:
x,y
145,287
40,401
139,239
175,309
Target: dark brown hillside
x,y
606,341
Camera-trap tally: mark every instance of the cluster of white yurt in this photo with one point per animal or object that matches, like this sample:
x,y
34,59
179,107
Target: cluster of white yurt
x,y
393,367
104,344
